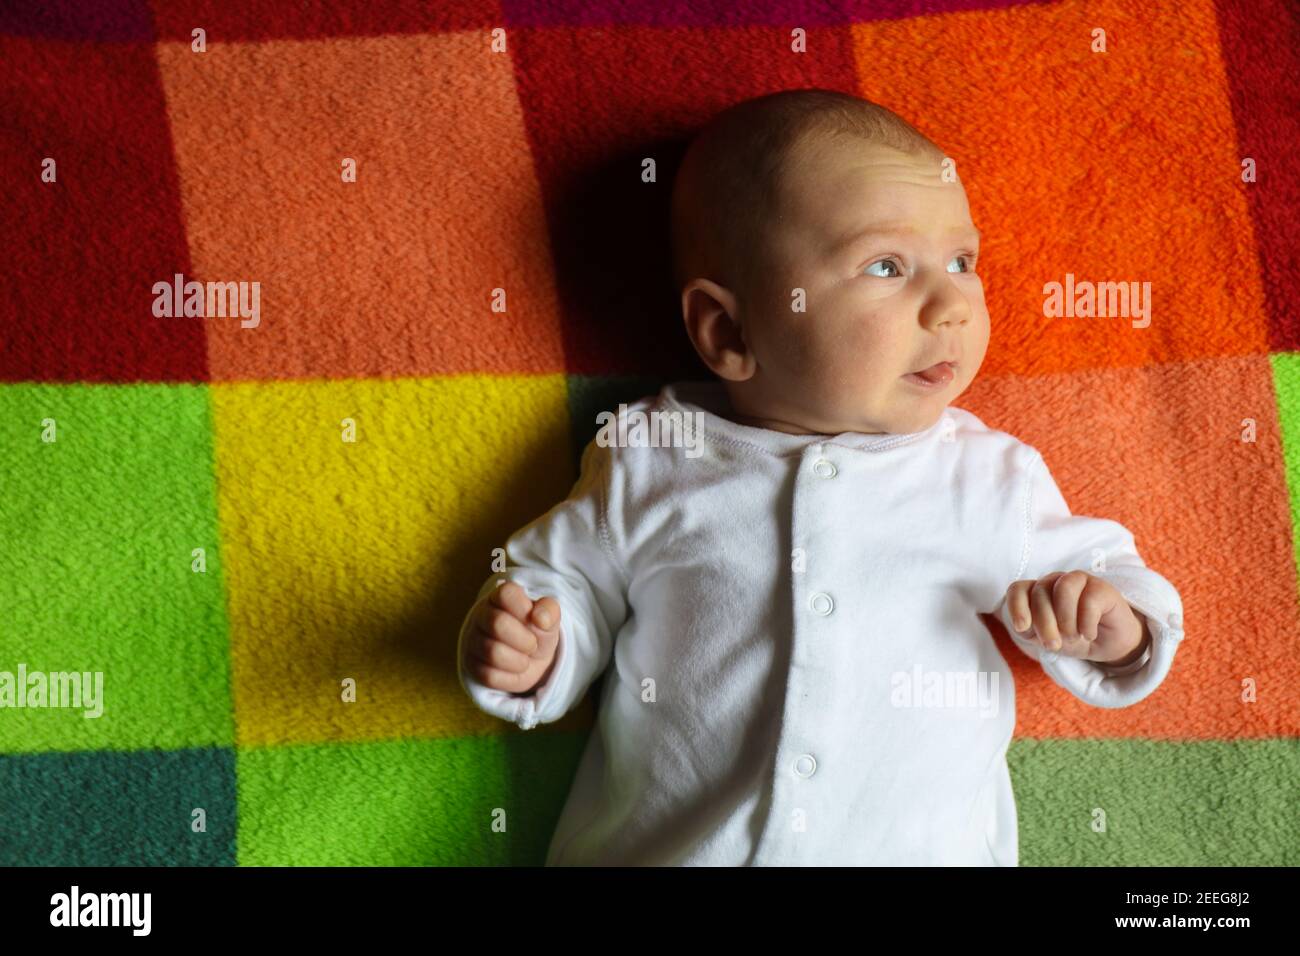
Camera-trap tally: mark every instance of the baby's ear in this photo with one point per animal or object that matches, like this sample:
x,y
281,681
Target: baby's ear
x,y
709,313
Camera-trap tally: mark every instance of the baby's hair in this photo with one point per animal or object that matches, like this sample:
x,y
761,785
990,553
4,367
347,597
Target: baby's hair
x,y
726,186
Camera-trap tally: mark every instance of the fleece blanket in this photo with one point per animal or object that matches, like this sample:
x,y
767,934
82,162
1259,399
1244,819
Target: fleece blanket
x,y
240,526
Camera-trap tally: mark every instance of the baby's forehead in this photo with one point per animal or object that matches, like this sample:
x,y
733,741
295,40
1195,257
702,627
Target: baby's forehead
x,y
841,164
881,193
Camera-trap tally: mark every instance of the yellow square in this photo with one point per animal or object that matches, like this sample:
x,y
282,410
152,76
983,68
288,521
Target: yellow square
x,y
358,559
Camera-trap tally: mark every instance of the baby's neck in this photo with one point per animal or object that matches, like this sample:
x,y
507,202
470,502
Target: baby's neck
x,y
727,409
773,424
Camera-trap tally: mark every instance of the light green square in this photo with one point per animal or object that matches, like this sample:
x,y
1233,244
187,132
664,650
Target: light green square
x,y
107,490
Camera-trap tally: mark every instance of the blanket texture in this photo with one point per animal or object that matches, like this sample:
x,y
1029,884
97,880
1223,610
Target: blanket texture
x,y
261,529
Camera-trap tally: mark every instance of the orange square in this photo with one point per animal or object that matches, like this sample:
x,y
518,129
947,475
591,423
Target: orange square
x,y
392,274
1108,167
1189,458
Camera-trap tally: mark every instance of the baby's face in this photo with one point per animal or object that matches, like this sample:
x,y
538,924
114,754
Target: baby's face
x,y
884,250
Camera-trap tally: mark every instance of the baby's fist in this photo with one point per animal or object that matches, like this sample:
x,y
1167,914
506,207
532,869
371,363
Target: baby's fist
x,y
512,639
1076,614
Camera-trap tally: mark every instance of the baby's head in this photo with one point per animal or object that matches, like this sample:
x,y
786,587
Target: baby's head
x,y
822,257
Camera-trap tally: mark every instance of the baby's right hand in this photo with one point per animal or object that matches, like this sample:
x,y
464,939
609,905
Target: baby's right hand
x,y
512,639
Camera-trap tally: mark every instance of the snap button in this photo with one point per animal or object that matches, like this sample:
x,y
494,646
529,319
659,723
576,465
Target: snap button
x,y
821,603
805,765
824,468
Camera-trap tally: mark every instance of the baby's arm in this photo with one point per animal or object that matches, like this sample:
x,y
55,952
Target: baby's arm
x,y
1057,541
567,555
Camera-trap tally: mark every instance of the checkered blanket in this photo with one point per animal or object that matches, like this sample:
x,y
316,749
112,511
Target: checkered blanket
x,y
305,306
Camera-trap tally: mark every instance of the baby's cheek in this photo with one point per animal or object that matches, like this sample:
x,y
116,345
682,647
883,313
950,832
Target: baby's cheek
x,y
835,347
796,346
867,345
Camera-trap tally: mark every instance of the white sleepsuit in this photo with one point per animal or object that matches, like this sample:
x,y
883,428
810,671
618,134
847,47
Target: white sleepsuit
x,y
798,673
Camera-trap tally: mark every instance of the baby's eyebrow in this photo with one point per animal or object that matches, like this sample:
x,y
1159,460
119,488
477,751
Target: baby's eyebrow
x,y
891,230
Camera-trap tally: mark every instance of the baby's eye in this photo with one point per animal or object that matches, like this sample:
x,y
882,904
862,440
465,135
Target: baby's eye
x,y
889,262
969,260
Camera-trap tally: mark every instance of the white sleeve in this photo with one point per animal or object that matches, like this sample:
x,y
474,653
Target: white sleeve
x,y
1056,540
567,554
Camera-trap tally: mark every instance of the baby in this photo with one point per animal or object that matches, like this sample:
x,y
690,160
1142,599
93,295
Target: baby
x,y
800,674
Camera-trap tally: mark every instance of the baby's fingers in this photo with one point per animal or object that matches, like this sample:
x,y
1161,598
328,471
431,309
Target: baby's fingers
x,y
513,598
546,613
1029,604
1044,611
511,682
1018,606
509,643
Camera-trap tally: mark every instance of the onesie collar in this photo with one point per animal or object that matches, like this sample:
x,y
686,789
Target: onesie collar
x,y
710,398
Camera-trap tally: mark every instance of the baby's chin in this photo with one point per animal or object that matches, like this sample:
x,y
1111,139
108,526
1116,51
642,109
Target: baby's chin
x,y
902,413
902,417
891,423
919,423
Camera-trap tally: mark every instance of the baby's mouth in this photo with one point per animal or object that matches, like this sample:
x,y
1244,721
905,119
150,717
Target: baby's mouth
x,y
936,376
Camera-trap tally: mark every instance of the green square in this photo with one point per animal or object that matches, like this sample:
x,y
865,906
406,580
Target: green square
x,y
97,532
1131,802
1286,382
469,801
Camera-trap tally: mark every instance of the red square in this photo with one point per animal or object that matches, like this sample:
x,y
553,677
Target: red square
x,y
84,251
590,137
1260,43
227,21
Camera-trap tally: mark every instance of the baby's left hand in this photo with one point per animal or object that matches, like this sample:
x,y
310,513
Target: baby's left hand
x,y
1076,614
